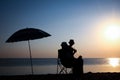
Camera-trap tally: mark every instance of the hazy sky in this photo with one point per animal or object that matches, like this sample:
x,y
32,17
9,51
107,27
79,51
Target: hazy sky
x,y
85,21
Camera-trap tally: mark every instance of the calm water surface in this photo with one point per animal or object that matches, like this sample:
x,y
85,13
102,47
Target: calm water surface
x,y
49,66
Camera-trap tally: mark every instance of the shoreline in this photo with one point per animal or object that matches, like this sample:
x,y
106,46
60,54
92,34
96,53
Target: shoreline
x,y
86,76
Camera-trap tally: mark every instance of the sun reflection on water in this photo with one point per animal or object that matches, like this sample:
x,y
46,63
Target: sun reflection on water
x,y
114,62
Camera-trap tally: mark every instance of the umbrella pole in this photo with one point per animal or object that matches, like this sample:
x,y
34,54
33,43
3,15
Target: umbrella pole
x,y
30,57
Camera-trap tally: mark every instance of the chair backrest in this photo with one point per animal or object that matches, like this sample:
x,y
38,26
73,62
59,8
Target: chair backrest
x,y
65,59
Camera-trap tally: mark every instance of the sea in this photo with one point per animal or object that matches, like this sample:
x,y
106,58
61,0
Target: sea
x,y
22,66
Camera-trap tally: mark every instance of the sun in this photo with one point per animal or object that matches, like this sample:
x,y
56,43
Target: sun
x,y
114,62
112,32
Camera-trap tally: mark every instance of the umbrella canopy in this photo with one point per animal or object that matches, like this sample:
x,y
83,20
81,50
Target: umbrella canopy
x,y
26,35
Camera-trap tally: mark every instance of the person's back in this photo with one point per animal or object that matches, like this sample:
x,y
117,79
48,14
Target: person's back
x,y
71,50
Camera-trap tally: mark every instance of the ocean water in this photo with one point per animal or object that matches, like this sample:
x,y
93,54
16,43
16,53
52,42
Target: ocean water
x,y
21,66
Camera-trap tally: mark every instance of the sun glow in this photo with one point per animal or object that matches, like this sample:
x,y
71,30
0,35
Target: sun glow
x,y
114,62
112,32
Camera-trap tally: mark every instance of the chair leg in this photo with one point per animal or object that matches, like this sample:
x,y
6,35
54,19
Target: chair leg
x,y
57,69
61,69
64,70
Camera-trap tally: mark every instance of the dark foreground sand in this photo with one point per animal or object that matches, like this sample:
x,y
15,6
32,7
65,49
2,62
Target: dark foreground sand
x,y
86,76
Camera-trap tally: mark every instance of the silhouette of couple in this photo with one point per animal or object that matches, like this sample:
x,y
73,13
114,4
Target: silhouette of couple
x,y
66,56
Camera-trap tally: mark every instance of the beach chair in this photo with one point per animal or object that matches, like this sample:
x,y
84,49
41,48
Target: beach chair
x,y
63,66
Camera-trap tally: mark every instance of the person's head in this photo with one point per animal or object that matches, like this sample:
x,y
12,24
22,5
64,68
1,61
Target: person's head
x,y
64,45
71,42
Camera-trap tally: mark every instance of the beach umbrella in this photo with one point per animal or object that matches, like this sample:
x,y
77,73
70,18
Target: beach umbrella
x,y
27,34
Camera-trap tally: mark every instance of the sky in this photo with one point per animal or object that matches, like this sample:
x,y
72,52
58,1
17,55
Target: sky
x,y
93,24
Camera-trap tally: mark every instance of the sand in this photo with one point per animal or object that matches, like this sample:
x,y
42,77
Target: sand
x,y
86,76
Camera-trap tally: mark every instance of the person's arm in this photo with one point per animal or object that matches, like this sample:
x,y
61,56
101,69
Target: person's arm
x,y
74,50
